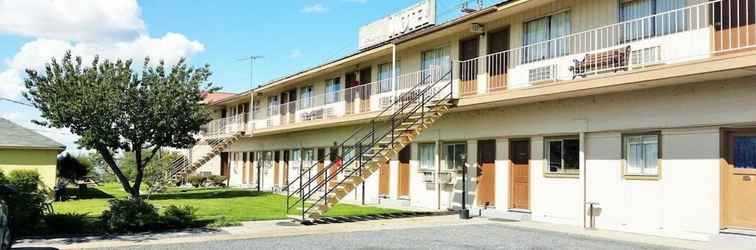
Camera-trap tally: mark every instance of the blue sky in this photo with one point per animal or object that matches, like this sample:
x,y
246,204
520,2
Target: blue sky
x,y
290,35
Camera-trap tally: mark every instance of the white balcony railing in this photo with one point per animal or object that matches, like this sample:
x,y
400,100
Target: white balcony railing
x,y
693,32
226,126
370,97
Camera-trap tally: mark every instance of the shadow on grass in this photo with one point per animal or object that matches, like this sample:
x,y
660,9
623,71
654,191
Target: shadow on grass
x,y
89,193
214,194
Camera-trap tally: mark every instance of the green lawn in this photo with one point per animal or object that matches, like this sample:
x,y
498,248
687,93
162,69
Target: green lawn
x,y
235,205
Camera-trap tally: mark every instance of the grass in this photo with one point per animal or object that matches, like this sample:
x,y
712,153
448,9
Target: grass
x,y
227,206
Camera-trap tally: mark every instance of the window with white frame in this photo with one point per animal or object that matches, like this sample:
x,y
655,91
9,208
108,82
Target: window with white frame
x,y
305,97
272,105
641,154
455,155
385,77
646,18
435,61
427,156
562,155
539,33
332,89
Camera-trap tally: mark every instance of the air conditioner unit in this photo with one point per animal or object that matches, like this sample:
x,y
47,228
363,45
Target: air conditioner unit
x,y
428,177
544,73
446,178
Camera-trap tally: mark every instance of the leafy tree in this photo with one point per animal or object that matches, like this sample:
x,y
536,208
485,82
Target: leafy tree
x,y
116,110
72,169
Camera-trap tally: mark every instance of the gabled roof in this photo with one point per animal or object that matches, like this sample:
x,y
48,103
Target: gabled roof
x,y
15,136
211,98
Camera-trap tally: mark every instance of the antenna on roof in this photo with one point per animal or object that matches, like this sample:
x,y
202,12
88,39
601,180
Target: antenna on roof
x,y
251,60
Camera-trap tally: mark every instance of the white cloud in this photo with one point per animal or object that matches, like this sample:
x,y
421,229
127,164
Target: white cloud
x,y
80,20
112,29
315,8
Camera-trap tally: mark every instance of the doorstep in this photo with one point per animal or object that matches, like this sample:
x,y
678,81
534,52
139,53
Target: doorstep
x,y
507,215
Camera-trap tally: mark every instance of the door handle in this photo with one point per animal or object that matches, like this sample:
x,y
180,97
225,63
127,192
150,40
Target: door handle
x,y
746,178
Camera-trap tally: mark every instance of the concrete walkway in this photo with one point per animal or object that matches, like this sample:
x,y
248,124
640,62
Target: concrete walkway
x,y
268,229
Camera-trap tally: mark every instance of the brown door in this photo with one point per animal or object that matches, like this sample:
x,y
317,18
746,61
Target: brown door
x,y
383,180
734,24
321,165
336,162
403,190
519,153
276,170
245,164
285,166
349,93
496,62
225,169
364,93
468,68
740,180
486,173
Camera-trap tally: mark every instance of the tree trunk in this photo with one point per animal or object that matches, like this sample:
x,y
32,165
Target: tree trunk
x,y
108,157
140,172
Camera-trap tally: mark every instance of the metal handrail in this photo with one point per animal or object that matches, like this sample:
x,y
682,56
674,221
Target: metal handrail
x,y
343,143
359,157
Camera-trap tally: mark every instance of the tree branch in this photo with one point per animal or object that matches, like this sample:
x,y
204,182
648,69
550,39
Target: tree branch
x,y
107,156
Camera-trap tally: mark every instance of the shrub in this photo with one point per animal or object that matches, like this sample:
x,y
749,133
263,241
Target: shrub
x,y
197,180
70,223
26,206
178,217
217,180
3,179
130,215
26,181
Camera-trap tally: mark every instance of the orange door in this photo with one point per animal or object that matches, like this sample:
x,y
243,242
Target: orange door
x,y
740,180
496,61
468,68
734,24
285,166
321,165
383,181
519,174
336,162
486,173
403,190
276,174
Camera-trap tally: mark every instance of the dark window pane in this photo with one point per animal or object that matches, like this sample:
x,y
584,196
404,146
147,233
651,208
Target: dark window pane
x,y
745,152
555,156
571,154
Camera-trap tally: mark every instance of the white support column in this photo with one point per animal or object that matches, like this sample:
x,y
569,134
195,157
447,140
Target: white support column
x,y
472,174
583,179
502,174
482,75
394,81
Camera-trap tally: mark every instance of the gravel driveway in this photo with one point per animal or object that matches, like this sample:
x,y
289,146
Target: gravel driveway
x,y
487,236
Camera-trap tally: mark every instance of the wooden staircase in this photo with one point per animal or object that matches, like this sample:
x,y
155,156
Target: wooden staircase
x,y
369,148
183,166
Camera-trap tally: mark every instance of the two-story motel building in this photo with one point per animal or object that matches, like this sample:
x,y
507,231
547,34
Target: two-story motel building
x,y
645,109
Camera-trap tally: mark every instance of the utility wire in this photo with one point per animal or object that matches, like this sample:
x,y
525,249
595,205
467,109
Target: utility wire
x,y
16,102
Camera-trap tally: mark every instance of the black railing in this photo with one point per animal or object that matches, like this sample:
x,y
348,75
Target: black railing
x,y
411,103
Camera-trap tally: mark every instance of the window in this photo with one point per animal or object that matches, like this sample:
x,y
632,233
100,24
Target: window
x,y
455,155
268,163
435,61
308,158
641,154
385,76
427,157
332,88
305,97
541,30
745,152
641,27
295,159
562,155
272,105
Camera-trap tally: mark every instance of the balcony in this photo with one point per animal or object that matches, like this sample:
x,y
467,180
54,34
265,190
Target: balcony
x,y
225,126
365,99
696,32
